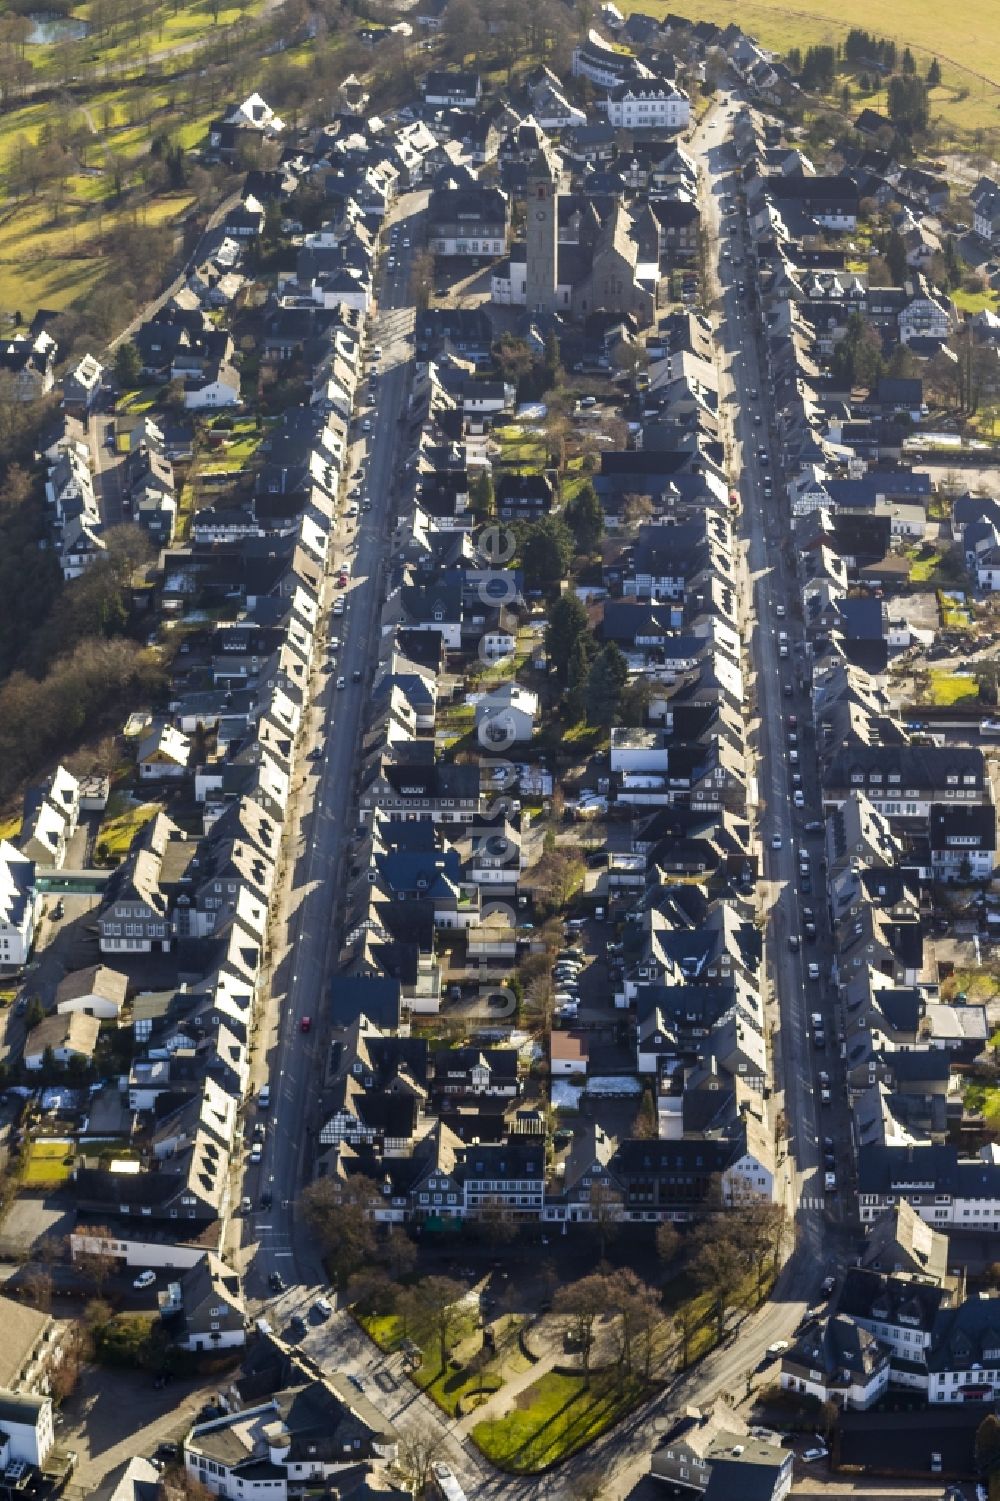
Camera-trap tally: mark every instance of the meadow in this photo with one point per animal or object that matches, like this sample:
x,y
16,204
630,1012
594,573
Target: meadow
x,y
52,240
964,38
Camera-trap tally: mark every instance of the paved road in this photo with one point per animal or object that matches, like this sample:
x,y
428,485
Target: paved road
x,y
322,815
108,463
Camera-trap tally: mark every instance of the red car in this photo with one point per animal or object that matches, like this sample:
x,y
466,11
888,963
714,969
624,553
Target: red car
x,y
306,1024
342,580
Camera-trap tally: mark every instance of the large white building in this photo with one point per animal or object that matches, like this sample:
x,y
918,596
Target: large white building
x,y
638,106
26,1431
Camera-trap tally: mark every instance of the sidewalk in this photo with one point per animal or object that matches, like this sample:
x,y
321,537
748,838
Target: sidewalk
x,y
501,1402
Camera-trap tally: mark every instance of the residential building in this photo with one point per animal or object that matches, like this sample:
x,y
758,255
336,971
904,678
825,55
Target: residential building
x,y
95,991
27,1433
713,1454
837,1362
204,1309
649,104
468,222
18,905
66,1037
963,841
310,1431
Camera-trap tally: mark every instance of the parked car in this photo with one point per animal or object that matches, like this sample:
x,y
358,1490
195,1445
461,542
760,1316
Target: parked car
x,y
145,1279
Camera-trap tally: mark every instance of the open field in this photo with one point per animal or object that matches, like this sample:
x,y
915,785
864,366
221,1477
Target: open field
x,y
965,39
94,135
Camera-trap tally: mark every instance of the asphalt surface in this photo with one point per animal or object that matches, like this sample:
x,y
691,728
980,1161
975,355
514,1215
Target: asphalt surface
x,y
322,815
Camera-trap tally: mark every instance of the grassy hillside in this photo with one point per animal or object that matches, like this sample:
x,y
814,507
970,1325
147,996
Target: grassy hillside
x,y
964,38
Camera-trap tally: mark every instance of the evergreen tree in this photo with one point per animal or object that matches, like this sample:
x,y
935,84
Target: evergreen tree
x,y
481,495
895,255
575,697
909,66
584,516
568,626
605,681
546,552
552,362
934,74
908,104
128,364
953,266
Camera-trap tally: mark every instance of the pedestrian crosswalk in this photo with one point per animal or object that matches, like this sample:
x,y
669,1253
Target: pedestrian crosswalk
x,y
812,1201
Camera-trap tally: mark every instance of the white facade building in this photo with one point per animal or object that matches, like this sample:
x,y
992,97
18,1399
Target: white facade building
x,y
638,106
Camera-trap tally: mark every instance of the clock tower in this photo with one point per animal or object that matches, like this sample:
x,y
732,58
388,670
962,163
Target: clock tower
x,y
542,232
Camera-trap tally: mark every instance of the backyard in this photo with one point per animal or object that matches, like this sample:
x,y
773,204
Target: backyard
x,y
123,818
945,688
48,1160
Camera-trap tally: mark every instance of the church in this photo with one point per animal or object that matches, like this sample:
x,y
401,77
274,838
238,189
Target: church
x,y
578,256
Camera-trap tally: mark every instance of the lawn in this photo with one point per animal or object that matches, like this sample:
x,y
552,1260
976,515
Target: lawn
x,y
954,615
123,818
447,1386
142,400
924,563
520,448
555,1417
975,984
236,451
945,688
47,1162
65,261
975,302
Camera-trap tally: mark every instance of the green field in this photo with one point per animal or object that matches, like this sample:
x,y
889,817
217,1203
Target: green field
x,y
964,38
94,140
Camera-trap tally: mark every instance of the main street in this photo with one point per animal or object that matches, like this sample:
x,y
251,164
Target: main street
x,y
321,815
